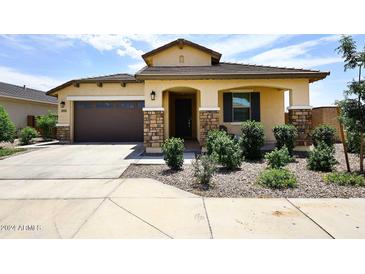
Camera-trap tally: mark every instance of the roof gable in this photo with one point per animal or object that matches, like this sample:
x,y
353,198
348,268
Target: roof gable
x,y
215,56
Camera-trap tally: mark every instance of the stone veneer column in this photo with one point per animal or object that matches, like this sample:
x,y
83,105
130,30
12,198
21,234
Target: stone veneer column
x,y
301,118
209,120
153,129
63,133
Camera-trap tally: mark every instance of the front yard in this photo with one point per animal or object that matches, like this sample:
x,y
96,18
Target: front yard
x,y
242,182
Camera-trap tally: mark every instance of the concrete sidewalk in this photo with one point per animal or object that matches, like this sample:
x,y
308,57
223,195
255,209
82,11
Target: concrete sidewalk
x,y
144,208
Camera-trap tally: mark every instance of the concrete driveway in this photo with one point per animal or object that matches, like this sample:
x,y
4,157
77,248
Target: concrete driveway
x,y
71,161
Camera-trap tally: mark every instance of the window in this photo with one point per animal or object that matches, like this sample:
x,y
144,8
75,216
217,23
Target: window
x,y
181,59
241,104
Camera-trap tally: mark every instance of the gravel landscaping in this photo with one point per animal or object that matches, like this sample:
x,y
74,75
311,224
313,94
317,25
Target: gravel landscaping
x,y
242,183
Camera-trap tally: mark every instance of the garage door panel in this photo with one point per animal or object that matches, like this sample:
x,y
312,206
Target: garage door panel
x,y
108,121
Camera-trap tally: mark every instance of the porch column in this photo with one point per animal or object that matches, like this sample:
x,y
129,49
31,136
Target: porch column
x,y
65,120
208,120
63,133
153,129
300,115
208,113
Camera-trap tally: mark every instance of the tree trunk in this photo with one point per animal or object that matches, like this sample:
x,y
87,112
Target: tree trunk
x,y
362,152
343,139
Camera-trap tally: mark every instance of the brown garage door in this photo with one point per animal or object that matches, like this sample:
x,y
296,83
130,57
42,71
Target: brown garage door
x,y
108,121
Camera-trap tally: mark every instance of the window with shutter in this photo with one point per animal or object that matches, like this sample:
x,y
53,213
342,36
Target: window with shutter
x,y
241,106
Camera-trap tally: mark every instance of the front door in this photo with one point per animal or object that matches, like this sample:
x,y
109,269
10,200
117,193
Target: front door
x,y
183,118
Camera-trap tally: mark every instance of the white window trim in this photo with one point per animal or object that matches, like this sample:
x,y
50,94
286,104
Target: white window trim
x,y
105,98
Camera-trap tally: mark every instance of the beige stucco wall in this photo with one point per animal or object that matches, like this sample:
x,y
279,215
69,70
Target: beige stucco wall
x,y
65,115
272,96
209,96
271,107
18,110
170,57
209,89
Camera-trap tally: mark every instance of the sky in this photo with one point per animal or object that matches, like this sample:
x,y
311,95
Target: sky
x,y
45,61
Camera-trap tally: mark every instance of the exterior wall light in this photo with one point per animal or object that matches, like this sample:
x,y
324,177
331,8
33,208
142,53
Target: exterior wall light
x,y
153,95
62,104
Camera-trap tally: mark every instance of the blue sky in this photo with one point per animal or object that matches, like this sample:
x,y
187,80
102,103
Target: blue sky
x,y
44,61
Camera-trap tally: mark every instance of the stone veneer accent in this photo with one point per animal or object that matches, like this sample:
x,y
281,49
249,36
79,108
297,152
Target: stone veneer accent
x,y
302,120
153,129
63,134
209,120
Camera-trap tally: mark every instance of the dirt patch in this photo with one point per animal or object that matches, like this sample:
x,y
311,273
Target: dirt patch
x,y
242,182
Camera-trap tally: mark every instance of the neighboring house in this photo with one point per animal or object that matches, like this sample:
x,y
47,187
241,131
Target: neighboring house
x,y
21,102
184,91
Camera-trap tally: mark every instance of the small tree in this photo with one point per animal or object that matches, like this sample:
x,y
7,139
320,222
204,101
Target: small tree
x,y
353,109
7,127
47,123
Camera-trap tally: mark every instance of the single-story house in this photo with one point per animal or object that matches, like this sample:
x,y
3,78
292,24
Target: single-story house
x,y
21,102
185,91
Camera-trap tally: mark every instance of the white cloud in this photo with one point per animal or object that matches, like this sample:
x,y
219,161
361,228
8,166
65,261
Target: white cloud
x,y
296,55
242,43
12,76
122,44
133,68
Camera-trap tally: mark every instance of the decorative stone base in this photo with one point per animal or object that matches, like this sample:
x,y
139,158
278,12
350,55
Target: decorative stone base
x,y
209,120
153,130
302,120
63,134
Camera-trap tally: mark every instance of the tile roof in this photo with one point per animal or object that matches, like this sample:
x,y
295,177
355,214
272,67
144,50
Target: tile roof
x,y
112,78
226,71
18,92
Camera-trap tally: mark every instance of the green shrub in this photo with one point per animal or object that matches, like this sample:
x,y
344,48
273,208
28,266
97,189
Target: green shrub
x,y
173,150
225,150
325,134
353,142
278,158
285,135
204,169
7,127
46,124
27,134
252,139
345,179
277,178
213,135
322,158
